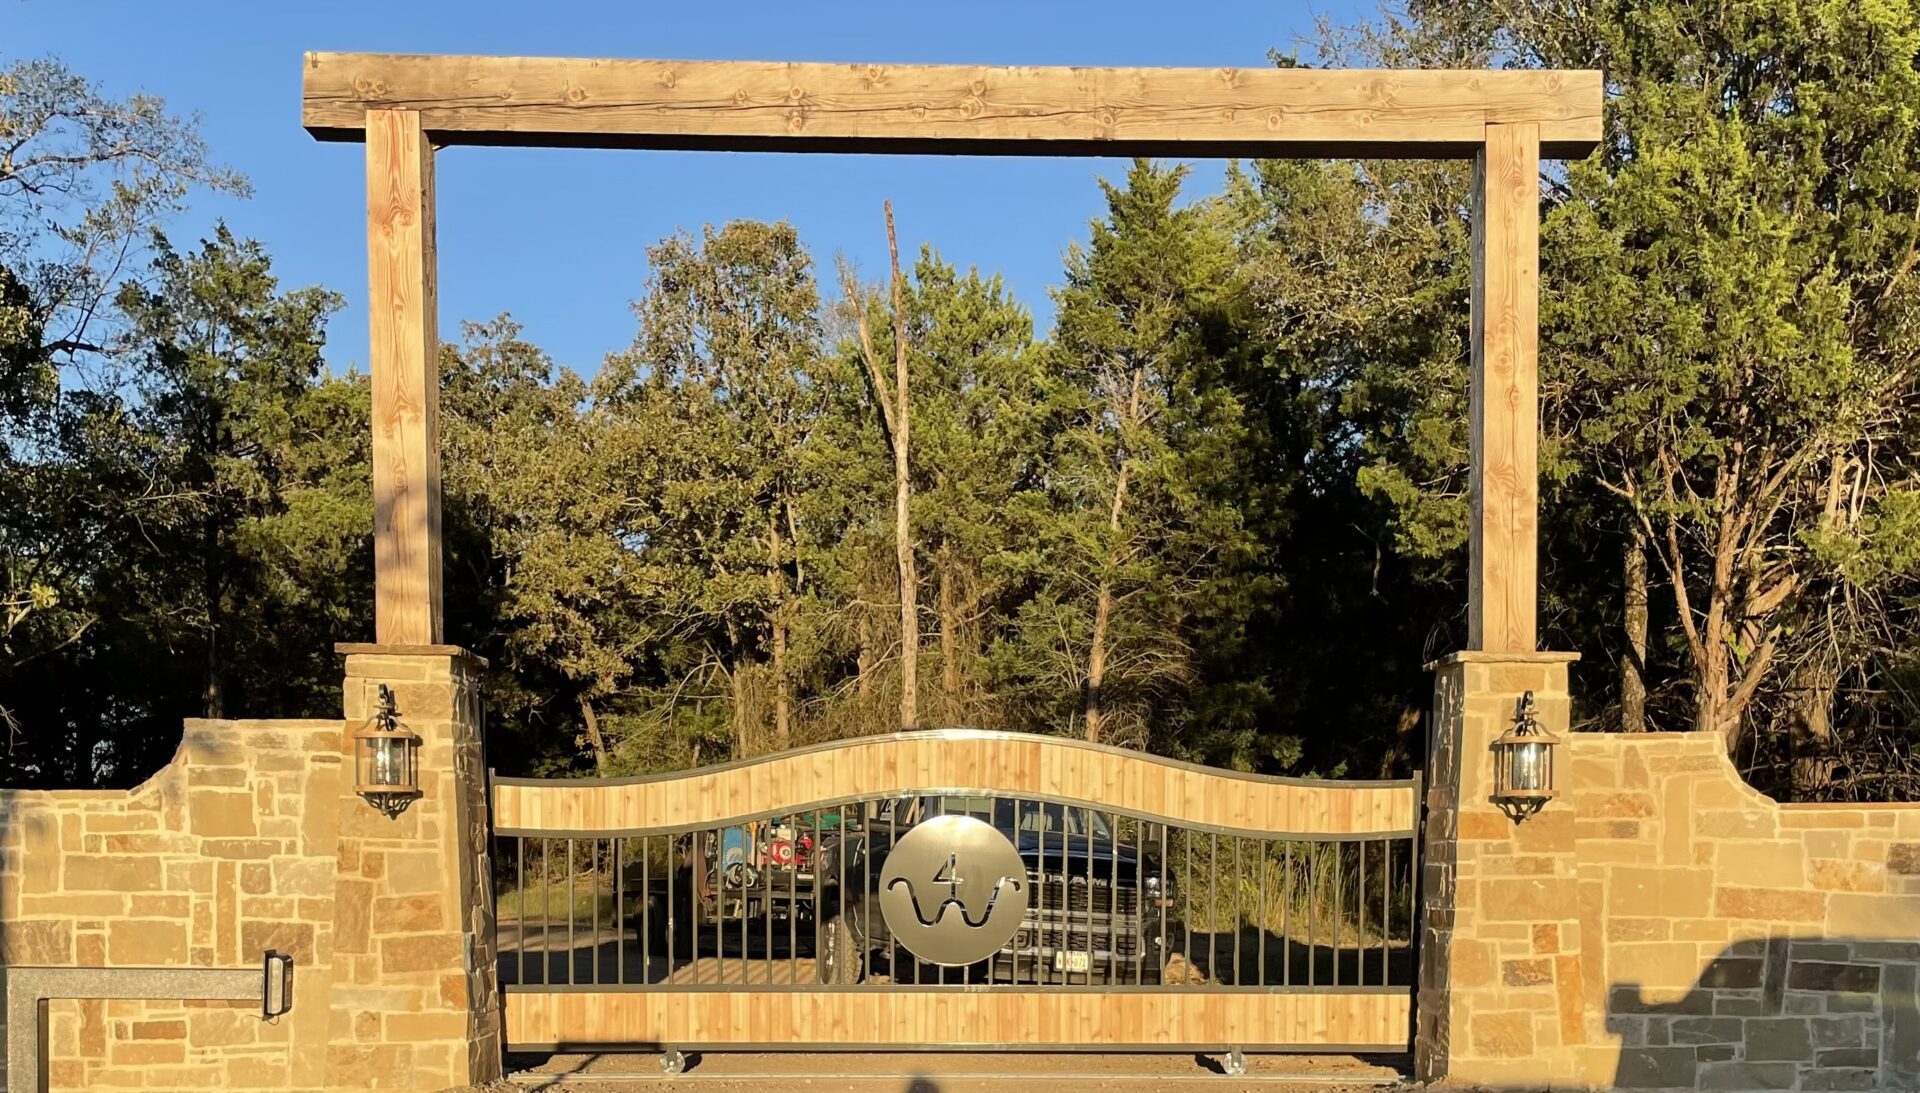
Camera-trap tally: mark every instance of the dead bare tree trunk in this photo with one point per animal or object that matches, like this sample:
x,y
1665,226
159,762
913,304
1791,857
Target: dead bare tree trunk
x,y
782,692
950,681
595,740
1633,659
903,497
1098,647
896,418
864,664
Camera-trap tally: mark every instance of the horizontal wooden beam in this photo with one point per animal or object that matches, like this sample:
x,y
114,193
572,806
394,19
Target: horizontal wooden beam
x,y
950,109
1019,764
893,1018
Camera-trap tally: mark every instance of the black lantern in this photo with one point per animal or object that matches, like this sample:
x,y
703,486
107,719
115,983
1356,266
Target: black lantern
x,y
386,763
1523,764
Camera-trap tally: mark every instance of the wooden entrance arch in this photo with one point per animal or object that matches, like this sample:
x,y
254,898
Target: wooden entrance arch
x,y
403,106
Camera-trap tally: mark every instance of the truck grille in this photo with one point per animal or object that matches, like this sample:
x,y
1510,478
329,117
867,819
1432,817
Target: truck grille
x,y
1073,894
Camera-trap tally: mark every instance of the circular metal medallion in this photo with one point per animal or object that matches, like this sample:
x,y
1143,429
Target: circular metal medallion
x,y
953,890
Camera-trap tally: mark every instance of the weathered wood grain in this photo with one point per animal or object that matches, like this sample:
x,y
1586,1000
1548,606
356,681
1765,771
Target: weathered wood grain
x,y
1503,535
914,1019
403,314
1011,763
952,109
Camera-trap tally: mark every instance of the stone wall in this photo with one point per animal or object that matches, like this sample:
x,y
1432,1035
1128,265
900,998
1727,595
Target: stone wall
x,y
1742,944
1661,925
226,852
253,839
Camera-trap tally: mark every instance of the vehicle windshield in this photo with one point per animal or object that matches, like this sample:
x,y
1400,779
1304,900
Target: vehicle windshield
x,y
1024,816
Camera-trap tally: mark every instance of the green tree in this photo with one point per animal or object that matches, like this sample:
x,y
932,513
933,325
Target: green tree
x,y
1727,342
216,515
722,376
224,362
1139,525
84,179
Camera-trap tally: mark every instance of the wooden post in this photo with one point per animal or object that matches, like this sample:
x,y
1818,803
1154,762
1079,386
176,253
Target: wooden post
x,y
406,384
1503,540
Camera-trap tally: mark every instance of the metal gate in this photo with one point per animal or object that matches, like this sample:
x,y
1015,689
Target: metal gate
x,y
956,889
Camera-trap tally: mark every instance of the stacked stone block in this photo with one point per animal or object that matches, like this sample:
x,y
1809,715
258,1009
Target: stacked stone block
x,y
414,1000
1501,993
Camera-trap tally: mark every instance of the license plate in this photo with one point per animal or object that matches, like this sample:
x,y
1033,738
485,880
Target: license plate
x,y
1072,962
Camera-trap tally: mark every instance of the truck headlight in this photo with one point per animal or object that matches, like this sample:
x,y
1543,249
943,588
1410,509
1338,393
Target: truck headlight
x,y
1156,890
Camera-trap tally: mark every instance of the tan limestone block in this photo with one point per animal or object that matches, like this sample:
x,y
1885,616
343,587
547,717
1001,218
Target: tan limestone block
x,y
1781,863
1805,817
133,942
1658,891
425,952
370,1066
1592,774
37,942
427,1027
1848,876
224,1027
1527,899
1639,929
410,914
1742,824
89,873
1770,904
1664,970
128,1053
80,905
1506,1035
160,906
1483,825
1702,929
1474,963
1878,917
256,878
233,850
293,938
255,1072
1527,972
303,877
1568,999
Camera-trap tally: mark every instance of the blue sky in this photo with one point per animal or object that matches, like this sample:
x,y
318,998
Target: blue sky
x,y
557,237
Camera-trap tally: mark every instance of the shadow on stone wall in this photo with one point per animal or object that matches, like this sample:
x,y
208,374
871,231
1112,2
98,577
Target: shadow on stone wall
x,y
1779,1013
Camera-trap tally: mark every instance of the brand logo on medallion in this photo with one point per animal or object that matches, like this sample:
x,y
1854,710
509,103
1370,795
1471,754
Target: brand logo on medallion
x,y
953,890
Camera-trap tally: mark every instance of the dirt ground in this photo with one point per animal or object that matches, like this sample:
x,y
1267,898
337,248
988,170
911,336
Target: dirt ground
x,y
867,1072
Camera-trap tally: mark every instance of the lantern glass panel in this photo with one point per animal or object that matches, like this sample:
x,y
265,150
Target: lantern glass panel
x,y
1530,766
389,762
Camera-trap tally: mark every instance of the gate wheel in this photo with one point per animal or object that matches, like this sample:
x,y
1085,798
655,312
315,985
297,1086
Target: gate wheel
x,y
672,1062
1235,1064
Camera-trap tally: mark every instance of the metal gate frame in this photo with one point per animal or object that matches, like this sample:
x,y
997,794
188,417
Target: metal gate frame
x,y
617,1003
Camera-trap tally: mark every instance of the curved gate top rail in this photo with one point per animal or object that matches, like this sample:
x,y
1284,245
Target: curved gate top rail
x,y
960,760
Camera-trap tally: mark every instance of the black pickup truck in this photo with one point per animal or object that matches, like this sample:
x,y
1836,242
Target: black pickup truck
x,y
1097,907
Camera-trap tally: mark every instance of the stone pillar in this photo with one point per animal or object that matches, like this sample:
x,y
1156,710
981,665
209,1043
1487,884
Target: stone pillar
x,y
415,1002
1501,999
